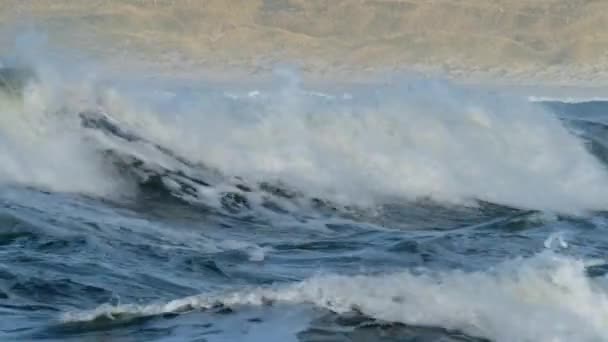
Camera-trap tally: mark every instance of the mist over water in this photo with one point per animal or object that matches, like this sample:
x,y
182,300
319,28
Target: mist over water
x,y
151,207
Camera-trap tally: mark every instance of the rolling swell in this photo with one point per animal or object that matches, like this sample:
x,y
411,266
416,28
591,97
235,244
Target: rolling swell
x,y
424,299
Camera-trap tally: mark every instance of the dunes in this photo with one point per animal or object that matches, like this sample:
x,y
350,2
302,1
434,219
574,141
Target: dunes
x,y
544,39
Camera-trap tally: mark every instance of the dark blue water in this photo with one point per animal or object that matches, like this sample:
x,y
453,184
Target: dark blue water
x,y
469,238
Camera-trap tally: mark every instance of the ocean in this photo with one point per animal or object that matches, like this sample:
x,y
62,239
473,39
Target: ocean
x,y
415,210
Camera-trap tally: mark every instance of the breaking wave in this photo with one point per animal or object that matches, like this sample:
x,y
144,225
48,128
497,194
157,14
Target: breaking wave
x,y
414,140
543,298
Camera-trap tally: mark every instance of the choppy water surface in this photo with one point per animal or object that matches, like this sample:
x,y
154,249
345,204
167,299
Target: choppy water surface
x,y
416,211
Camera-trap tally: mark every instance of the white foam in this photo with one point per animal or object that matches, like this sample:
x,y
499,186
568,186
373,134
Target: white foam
x,y
42,145
255,252
417,139
556,240
566,99
543,298
414,139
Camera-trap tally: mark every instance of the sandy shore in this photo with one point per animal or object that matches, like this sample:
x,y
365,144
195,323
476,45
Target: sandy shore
x,y
552,42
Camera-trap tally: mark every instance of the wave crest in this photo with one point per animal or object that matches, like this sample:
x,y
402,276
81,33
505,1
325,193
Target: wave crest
x,y
419,139
543,298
